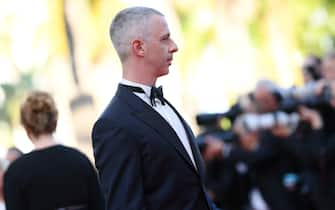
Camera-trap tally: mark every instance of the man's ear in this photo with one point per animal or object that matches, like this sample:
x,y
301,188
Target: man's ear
x,y
138,47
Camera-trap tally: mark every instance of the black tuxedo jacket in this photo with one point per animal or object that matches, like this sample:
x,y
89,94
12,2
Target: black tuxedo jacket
x,y
142,163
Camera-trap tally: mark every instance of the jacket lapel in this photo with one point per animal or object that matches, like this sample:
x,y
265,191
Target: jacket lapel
x,y
153,119
191,139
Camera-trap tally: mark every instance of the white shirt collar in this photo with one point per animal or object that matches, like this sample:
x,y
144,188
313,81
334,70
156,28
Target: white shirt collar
x,y
147,89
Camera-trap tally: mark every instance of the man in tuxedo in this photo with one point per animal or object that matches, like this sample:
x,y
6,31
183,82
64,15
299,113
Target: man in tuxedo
x,y
144,150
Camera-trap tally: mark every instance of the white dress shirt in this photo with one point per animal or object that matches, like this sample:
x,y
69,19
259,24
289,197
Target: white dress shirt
x,y
167,113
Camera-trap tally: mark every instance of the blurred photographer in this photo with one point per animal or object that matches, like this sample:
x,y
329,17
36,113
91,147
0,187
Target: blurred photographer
x,y
286,138
260,151
267,96
327,110
259,147
315,151
306,184
311,72
318,91
311,69
228,183
321,146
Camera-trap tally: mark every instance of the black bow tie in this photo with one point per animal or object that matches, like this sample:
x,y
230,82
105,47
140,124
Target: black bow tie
x,y
155,93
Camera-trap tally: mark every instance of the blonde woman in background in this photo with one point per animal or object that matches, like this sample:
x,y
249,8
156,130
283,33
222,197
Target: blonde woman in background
x,y
52,176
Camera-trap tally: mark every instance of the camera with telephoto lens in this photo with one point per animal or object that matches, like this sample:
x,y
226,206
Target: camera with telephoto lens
x,y
211,120
305,96
210,123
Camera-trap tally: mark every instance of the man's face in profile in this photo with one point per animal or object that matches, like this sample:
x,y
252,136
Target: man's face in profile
x,y
265,100
159,46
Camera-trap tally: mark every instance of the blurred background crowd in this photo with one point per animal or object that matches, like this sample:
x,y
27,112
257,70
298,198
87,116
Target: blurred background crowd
x,y
263,68
274,148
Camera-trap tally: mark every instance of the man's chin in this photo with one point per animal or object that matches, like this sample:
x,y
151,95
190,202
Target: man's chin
x,y
165,72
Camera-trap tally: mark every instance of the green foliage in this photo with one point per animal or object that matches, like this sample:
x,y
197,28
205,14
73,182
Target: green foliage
x,y
256,25
197,36
9,111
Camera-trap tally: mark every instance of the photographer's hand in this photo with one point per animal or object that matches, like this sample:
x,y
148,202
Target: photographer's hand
x,y
311,116
214,148
248,140
282,131
319,86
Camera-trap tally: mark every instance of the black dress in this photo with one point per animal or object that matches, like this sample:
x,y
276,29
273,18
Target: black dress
x,y
52,178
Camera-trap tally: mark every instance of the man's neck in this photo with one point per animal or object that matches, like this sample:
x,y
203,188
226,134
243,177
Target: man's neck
x,y
135,72
146,82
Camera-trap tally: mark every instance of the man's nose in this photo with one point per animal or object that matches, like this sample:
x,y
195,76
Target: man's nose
x,y
174,47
